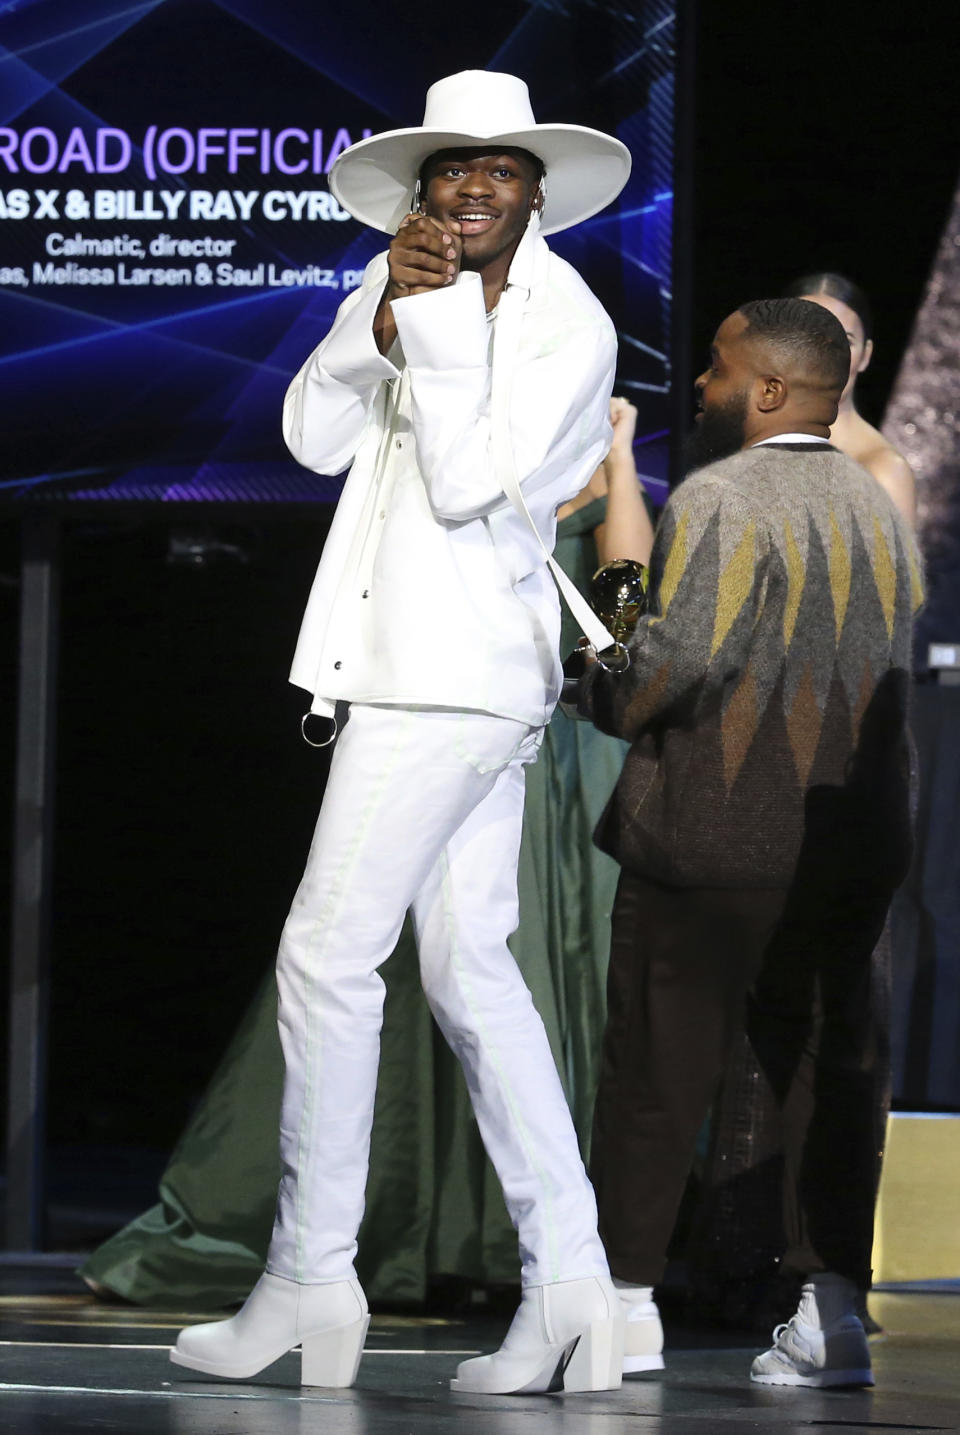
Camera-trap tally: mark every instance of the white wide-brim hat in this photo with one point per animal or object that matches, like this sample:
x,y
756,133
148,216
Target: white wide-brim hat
x,y
585,169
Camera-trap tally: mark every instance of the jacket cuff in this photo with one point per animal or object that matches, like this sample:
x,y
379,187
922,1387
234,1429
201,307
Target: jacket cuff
x,y
446,329
350,354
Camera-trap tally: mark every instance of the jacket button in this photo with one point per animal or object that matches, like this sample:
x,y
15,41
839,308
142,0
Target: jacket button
x,y
399,443
365,593
338,664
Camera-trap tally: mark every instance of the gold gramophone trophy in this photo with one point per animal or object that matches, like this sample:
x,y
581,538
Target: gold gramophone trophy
x,y
618,592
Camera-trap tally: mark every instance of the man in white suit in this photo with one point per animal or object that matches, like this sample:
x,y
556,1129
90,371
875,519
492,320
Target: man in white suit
x,y
467,382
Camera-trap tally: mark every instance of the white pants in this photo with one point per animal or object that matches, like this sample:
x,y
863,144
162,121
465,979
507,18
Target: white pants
x,y
422,809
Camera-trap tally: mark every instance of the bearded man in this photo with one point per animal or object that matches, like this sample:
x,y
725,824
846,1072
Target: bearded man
x,y
761,822
467,383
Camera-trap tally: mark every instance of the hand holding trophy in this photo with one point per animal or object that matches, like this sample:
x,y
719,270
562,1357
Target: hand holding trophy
x,y
617,595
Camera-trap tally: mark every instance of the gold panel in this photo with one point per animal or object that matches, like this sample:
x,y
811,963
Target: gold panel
x,y
917,1235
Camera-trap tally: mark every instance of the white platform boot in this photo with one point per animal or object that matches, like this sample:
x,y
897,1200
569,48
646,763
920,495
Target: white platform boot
x,y
567,1335
329,1323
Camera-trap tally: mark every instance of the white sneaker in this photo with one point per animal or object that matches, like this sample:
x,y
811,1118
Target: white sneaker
x,y
643,1337
804,1354
567,1335
328,1322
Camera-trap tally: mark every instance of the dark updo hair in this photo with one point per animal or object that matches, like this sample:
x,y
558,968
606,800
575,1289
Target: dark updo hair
x,y
836,287
808,332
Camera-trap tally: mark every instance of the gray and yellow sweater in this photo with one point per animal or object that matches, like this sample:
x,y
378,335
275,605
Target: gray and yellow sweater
x,y
766,699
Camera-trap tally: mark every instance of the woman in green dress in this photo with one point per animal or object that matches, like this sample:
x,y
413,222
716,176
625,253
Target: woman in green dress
x,y
434,1207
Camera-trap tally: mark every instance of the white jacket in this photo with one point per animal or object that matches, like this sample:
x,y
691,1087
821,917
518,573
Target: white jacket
x,y
431,589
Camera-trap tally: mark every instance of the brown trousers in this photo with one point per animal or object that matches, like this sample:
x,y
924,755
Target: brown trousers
x,y
689,970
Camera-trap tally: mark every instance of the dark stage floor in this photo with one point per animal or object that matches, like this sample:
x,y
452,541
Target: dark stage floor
x,y
70,1364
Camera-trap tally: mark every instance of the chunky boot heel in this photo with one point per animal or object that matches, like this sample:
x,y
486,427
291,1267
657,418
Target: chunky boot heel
x,y
567,1335
332,1357
327,1321
596,1362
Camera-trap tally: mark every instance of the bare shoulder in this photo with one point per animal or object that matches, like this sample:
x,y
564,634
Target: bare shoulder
x,y
894,475
887,464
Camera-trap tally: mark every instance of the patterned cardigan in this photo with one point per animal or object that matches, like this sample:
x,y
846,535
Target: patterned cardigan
x,y
767,695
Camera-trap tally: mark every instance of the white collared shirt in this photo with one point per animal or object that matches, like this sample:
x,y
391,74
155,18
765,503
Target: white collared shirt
x,y
791,438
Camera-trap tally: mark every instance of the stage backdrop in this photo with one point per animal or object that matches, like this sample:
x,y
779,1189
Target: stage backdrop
x,y
170,252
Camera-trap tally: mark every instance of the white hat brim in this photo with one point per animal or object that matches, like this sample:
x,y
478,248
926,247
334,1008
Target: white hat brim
x,y
586,170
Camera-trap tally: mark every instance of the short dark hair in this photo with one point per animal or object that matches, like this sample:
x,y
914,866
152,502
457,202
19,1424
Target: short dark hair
x,y
835,286
807,332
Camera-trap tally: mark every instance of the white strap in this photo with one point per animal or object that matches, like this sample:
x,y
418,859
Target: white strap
x,y
506,342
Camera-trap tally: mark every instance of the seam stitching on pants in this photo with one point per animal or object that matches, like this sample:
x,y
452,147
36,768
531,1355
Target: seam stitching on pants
x,y
458,967
323,923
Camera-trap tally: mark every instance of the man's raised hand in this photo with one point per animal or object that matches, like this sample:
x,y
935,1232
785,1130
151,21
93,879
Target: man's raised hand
x,y
424,255
623,416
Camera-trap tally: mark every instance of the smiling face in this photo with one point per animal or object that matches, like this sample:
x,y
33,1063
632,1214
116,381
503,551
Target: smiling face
x,y
491,196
